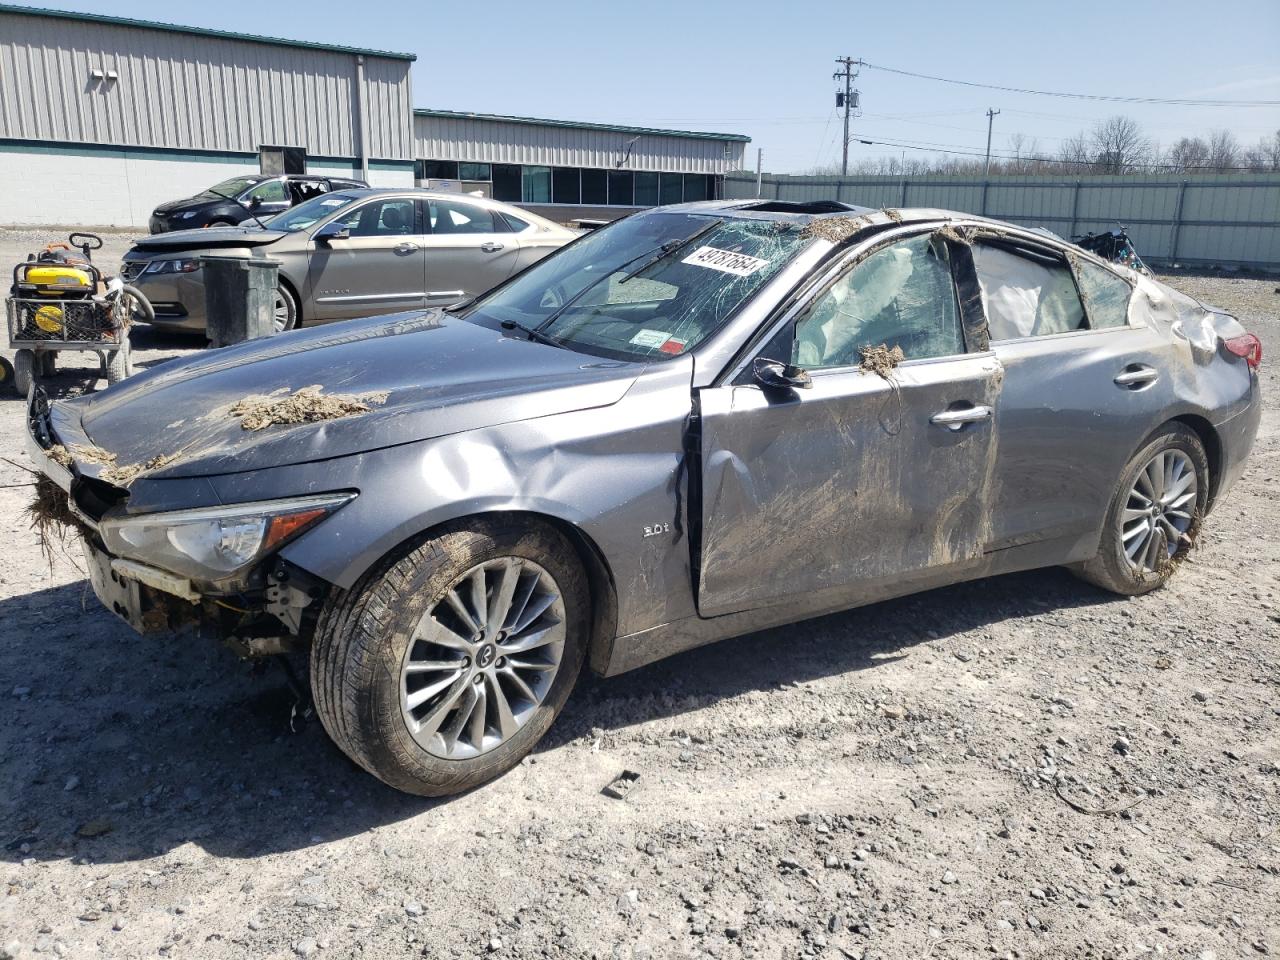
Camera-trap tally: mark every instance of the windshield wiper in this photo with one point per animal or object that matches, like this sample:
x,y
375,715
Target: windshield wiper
x,y
667,249
532,333
247,209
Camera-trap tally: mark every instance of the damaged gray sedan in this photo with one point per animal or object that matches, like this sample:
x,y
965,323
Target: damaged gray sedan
x,y
697,422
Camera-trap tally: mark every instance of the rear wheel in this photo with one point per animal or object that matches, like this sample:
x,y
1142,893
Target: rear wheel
x,y
285,310
118,365
48,362
447,663
1154,515
24,370
6,375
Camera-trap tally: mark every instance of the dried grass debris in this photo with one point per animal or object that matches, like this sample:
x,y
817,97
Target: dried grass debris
x,y
305,405
93,455
955,234
892,214
880,360
51,518
834,229
60,455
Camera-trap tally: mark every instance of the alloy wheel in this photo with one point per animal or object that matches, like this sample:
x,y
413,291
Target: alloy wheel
x,y
281,313
483,659
1159,511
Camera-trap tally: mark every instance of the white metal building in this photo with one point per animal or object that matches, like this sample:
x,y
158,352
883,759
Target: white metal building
x,y
101,118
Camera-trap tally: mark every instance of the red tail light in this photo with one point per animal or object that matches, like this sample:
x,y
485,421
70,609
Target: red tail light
x,y
1247,346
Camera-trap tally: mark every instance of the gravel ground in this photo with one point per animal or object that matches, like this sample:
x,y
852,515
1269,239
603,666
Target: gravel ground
x,y
1023,767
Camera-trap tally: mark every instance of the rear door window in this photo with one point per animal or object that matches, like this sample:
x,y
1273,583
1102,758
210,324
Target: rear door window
x,y
1106,295
1026,294
454,216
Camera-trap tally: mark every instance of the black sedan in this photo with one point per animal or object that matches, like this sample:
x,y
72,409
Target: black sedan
x,y
244,198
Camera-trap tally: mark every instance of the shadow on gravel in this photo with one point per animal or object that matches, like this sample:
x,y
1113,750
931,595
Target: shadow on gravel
x,y
153,742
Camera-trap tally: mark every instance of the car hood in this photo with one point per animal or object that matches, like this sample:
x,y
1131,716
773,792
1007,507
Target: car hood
x,y
440,374
188,203
177,240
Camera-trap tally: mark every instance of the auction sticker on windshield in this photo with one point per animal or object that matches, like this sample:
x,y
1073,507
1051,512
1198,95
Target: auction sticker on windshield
x,y
650,338
726,261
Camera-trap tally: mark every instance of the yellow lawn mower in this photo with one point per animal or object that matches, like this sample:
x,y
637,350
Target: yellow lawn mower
x,y
60,301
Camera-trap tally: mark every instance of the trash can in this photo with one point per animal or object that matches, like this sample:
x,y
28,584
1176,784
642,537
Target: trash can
x,y
239,298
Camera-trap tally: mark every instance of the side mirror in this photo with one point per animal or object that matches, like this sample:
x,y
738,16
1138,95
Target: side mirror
x,y
255,203
332,231
773,374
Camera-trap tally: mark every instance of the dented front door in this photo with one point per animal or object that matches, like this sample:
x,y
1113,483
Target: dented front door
x,y
848,484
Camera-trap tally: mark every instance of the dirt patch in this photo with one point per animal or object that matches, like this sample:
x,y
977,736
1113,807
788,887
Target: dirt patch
x,y
892,214
124,474
954,234
306,405
880,360
51,518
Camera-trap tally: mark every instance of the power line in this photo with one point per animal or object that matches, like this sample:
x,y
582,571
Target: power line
x,y
1087,163
1174,101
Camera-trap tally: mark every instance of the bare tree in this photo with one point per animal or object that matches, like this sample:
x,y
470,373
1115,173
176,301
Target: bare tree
x,y
1188,155
1224,151
1118,145
1074,154
1266,155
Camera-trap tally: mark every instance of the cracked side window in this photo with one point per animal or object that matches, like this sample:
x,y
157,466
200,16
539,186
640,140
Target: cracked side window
x,y
1026,296
902,295
1106,296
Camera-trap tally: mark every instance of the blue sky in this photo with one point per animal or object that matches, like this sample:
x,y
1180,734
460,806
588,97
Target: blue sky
x,y
764,69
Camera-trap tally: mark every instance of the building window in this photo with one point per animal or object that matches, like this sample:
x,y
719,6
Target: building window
x,y
474,171
537,185
565,185
695,187
595,189
621,189
671,188
437,170
646,189
507,182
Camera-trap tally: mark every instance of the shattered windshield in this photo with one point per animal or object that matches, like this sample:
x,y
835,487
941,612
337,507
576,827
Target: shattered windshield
x,y
230,188
313,210
649,287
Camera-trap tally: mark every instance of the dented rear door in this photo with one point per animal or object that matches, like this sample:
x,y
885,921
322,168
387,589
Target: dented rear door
x,y
847,484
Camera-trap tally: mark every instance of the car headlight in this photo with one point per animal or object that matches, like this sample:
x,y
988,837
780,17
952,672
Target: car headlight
x,y
215,543
172,266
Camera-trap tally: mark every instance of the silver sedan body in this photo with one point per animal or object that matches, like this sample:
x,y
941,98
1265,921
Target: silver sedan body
x,y
694,423
351,253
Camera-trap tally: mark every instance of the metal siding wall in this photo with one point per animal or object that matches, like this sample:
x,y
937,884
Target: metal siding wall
x,y
494,141
1227,220
191,92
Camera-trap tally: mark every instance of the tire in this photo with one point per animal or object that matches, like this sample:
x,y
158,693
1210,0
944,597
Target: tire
x,y
48,363
365,638
6,376
24,371
286,308
118,365
221,223
1112,569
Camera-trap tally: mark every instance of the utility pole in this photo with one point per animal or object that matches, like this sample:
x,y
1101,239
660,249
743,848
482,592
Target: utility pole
x,y
848,99
991,115
759,168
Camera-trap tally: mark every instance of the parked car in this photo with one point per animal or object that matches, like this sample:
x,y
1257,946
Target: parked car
x,y
696,422
242,199
352,253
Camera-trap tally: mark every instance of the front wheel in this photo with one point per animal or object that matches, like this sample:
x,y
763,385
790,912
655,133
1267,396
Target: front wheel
x,y
445,665
285,310
1154,515
118,364
24,370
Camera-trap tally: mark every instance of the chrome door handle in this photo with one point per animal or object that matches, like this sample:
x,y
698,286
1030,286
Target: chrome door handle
x,y
955,419
405,247
491,247
1136,375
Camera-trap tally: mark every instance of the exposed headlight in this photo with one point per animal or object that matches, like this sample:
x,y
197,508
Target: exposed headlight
x,y
188,215
172,266
218,542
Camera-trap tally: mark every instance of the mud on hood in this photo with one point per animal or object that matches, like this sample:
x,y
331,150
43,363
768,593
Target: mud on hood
x,y
207,238
441,375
